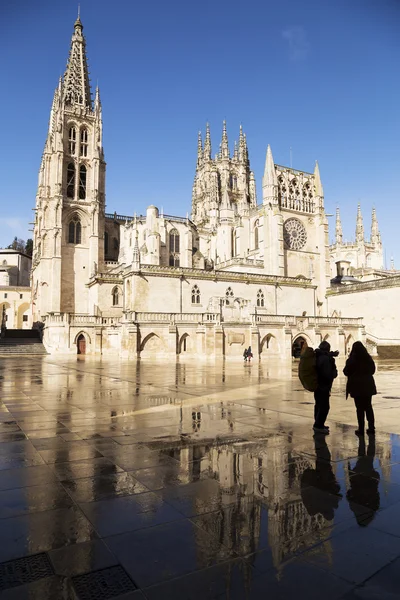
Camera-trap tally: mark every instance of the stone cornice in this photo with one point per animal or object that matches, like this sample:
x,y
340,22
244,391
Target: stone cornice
x,y
363,286
182,272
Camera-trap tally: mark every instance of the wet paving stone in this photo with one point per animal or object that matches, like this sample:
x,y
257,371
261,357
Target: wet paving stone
x,y
40,475
55,587
128,513
43,531
81,558
69,454
141,551
214,582
82,469
104,486
32,499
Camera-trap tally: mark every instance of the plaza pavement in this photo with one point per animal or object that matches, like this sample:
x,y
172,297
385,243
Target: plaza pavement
x,y
194,481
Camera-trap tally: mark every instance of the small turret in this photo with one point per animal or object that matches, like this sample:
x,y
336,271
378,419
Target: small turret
x,y
199,150
338,228
242,145
375,235
207,144
235,152
359,226
269,177
224,151
319,190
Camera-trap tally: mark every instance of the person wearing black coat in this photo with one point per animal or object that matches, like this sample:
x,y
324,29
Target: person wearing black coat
x,y
326,373
360,369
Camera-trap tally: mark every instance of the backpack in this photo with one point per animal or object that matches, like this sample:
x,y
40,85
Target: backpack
x,y
308,370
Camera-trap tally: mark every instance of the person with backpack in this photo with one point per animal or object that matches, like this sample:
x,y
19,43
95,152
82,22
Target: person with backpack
x,y
360,369
245,355
326,372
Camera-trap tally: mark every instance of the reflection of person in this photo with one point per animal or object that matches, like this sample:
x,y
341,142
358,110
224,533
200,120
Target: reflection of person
x,y
326,373
363,495
360,369
320,479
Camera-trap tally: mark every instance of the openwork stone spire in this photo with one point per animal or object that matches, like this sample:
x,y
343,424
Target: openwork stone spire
x,y
76,78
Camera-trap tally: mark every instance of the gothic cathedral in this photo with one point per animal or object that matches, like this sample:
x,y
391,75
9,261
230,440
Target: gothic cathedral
x,y
237,273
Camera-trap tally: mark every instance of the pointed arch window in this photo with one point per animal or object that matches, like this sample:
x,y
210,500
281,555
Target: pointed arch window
x,y
260,299
75,230
105,243
82,182
195,295
72,140
115,296
256,241
84,142
174,248
229,296
71,180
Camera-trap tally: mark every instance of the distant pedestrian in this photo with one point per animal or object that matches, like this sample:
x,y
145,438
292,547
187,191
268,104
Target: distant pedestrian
x,y
326,373
360,369
249,353
245,355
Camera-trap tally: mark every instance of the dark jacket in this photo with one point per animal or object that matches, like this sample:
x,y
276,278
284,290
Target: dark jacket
x,y
360,382
326,370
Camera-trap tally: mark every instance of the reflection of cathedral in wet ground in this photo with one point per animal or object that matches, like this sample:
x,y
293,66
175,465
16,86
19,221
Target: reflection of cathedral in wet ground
x,y
295,493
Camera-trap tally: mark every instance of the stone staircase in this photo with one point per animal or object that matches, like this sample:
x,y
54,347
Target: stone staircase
x,y
21,341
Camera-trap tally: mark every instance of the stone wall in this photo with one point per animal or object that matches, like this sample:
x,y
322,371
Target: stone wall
x,y
377,302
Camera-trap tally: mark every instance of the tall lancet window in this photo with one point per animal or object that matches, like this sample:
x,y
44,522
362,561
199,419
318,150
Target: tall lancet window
x,y
82,182
75,230
84,142
71,180
256,226
174,248
72,140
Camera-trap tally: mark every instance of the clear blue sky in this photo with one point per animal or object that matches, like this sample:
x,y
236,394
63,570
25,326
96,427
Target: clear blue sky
x,y
319,76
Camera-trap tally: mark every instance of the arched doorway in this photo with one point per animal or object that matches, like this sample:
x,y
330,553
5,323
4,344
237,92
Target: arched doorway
x,y
299,345
81,344
183,344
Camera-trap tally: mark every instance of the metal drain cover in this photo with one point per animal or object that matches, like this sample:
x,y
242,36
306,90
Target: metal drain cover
x,y
103,584
24,570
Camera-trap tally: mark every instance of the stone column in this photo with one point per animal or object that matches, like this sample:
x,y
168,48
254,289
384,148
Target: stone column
x,y
172,340
200,340
129,340
255,341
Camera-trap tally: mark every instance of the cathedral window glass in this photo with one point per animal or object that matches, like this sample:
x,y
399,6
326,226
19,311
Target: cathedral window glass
x,y
195,295
105,243
228,296
260,299
174,248
256,242
84,142
82,182
72,140
115,296
70,180
75,230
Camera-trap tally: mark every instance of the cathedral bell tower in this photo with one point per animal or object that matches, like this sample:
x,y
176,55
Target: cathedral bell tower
x,y
70,202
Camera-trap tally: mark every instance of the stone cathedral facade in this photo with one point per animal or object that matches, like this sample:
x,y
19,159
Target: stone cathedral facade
x,y
241,271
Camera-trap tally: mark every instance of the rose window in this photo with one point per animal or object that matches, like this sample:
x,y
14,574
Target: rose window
x,y
294,234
